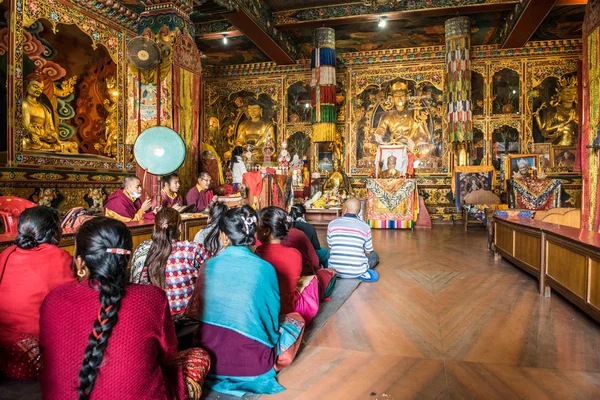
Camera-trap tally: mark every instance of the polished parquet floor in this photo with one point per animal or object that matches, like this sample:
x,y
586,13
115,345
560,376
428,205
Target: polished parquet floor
x,y
446,321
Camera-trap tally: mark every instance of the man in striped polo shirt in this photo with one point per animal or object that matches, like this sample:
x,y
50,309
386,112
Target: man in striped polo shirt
x,y
350,246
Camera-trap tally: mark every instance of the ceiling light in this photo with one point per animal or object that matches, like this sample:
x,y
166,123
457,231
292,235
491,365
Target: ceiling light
x,y
224,39
382,22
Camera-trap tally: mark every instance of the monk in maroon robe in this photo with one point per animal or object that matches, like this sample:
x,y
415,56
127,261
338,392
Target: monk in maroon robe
x,y
125,204
169,196
201,196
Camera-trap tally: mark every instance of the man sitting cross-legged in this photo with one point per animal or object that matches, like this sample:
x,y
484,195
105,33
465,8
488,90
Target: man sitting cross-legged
x,y
350,245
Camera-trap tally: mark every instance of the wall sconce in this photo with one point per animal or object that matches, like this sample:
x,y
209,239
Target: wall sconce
x,y
225,39
382,22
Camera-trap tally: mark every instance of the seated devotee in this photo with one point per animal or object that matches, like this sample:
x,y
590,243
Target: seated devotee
x,y
104,338
298,214
310,261
209,235
169,194
29,270
167,262
201,197
237,302
125,204
238,168
350,245
273,227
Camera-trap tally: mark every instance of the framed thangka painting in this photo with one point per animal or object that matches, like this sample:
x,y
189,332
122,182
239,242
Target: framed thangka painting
x,y
407,111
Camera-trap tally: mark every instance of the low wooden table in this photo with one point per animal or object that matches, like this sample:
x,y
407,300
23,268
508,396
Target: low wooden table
x,y
140,231
320,217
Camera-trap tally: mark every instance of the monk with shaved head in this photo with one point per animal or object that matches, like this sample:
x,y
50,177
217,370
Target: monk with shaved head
x,y
351,251
126,204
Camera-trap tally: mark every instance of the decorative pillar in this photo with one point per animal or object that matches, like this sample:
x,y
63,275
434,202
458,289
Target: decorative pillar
x,y
589,134
169,95
458,90
323,84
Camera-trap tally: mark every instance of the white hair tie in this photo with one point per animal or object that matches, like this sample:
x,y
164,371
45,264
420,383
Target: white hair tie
x,y
248,223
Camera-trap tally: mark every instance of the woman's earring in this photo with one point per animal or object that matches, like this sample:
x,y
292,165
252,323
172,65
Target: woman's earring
x,y
81,273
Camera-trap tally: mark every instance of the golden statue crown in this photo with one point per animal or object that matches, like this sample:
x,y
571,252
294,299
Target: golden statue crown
x,y
399,86
568,81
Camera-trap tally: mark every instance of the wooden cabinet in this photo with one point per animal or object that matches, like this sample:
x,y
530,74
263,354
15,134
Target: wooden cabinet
x,y
562,258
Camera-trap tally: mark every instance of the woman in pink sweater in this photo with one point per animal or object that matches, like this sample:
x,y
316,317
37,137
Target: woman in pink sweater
x,y
129,351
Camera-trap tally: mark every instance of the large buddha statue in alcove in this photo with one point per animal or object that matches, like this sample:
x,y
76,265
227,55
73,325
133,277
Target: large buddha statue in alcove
x,y
255,131
40,132
402,125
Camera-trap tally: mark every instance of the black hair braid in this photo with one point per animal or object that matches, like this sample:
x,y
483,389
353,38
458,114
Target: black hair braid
x,y
98,340
108,271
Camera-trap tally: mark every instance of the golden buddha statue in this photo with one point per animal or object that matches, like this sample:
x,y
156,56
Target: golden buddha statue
x,y
337,147
560,121
254,131
405,126
391,172
108,146
39,130
338,182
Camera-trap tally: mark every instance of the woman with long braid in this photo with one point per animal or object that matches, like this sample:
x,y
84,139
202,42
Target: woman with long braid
x,y
129,351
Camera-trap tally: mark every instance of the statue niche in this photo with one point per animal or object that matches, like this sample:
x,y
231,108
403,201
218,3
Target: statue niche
x,y
556,117
400,113
256,132
70,103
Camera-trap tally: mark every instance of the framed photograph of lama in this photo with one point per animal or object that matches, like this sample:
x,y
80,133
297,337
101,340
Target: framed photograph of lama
x,y
564,158
545,152
521,165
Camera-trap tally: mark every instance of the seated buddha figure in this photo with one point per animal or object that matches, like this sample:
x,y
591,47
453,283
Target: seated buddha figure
x,y
391,172
40,131
559,122
401,124
338,182
254,131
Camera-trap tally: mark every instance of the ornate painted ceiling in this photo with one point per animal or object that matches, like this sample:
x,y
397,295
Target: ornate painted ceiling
x,y
281,30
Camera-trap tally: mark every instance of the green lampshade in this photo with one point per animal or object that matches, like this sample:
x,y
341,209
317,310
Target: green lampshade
x,y
159,150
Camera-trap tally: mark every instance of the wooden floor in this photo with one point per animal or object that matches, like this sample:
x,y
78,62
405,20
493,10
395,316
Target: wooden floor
x,y
446,321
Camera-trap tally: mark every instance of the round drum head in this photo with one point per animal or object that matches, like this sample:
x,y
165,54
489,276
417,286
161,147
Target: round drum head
x,y
159,150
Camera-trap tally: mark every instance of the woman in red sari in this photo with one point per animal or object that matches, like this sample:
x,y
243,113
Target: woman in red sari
x,y
28,271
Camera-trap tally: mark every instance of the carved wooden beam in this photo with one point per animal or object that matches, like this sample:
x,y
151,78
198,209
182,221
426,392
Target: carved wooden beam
x,y
359,12
255,20
525,21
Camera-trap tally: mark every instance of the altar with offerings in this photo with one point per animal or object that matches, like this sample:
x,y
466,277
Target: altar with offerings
x,y
392,203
